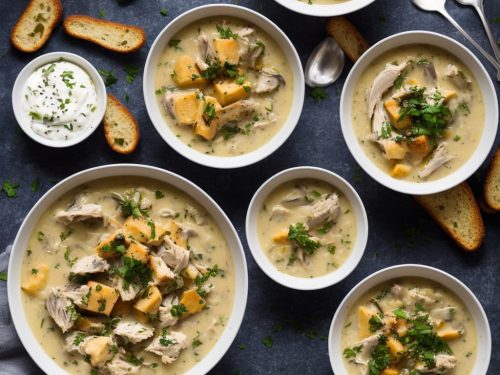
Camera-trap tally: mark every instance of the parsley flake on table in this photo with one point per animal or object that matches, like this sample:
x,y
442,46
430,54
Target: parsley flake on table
x,y
131,72
3,276
164,12
10,189
318,94
267,341
35,185
108,76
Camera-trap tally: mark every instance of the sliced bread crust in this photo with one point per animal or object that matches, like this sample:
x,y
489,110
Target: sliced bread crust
x,y
35,25
457,212
491,190
347,37
114,36
120,127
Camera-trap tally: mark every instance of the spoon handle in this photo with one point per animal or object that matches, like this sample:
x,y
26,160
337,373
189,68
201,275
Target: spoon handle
x,y
491,38
488,57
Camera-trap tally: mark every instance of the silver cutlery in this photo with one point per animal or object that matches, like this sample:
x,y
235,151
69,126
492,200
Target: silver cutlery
x,y
325,64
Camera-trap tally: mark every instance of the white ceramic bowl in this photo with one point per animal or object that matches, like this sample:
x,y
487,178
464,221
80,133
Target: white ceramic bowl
x,y
324,10
155,112
23,118
359,243
483,347
14,281
490,108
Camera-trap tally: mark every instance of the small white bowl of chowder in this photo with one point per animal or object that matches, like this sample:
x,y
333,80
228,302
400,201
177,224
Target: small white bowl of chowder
x,y
127,269
410,319
306,228
419,112
223,86
324,8
59,99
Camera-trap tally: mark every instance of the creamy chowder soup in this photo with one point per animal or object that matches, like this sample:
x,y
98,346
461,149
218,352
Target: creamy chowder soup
x,y
418,113
306,228
224,87
126,276
409,326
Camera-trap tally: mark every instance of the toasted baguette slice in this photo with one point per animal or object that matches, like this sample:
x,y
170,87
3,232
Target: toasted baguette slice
x,y
36,24
457,212
120,127
492,184
114,36
347,37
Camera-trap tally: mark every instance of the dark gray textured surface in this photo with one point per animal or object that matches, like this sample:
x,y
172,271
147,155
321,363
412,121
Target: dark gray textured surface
x,y
297,321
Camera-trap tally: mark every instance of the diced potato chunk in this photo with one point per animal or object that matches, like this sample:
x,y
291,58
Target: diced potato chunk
x,y
394,150
400,170
420,146
122,308
411,81
395,346
99,349
228,92
186,108
192,301
102,298
187,74
364,316
449,334
281,237
141,317
204,129
37,280
174,231
138,252
227,50
89,324
107,248
161,273
150,302
448,95
144,231
392,107
390,371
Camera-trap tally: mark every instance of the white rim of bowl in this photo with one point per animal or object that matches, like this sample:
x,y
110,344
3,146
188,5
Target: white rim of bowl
x,y
339,183
31,344
29,68
324,10
490,105
432,274
154,111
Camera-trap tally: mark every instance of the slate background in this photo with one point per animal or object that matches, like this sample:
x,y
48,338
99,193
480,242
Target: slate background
x,y
298,322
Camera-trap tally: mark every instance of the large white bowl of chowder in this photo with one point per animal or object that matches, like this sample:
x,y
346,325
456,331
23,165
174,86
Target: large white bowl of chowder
x,y
410,319
223,86
59,99
127,269
324,8
419,112
306,228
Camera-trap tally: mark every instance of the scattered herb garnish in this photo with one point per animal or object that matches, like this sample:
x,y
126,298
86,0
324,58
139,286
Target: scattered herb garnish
x,y
10,189
159,194
164,12
3,276
267,341
131,72
226,33
178,310
108,76
318,94
174,43
298,234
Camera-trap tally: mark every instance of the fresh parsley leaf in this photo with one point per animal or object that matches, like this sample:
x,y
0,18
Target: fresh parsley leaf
x,y
298,234
3,276
131,72
318,94
174,43
267,341
108,76
351,352
10,189
178,310
159,194
226,33
164,12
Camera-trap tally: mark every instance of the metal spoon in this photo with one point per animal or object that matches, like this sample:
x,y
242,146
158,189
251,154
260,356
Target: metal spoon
x,y
438,6
325,64
478,4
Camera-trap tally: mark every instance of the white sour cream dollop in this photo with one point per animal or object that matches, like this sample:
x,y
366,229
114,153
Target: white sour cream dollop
x,y
60,99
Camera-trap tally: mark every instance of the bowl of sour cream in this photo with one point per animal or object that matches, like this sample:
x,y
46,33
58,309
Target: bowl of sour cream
x,y
59,99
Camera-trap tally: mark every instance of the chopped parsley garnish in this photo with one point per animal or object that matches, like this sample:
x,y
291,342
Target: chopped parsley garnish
x,y
229,131
64,235
196,341
67,255
209,111
151,225
318,94
108,76
174,43
78,338
159,194
3,276
164,12
178,310
226,33
325,228
456,138
398,82
381,358
386,130
130,207
464,107
375,323
10,189
298,234
402,314
267,341
130,358
351,352
133,271
131,72
200,280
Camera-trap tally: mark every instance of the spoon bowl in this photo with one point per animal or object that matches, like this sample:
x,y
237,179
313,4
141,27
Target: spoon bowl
x,y
325,64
